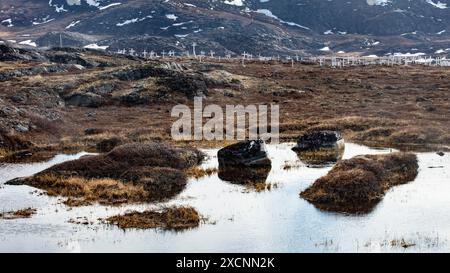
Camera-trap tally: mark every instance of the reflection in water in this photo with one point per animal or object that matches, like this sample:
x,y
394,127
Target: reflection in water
x,y
329,152
321,157
243,175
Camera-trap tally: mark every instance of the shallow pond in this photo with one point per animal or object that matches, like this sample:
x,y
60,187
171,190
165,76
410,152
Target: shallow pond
x,y
240,219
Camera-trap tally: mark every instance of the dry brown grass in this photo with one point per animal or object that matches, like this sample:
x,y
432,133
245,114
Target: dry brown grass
x,y
401,243
198,172
83,191
18,214
352,100
122,162
260,186
357,184
174,218
139,172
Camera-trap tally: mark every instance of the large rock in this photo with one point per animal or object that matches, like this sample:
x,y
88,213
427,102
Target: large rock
x,y
320,147
184,82
85,100
8,53
315,140
251,153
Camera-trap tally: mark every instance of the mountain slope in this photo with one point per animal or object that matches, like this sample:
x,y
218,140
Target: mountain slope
x,y
232,26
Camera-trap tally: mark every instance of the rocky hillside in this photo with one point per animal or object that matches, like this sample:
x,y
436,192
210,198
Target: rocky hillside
x,y
231,26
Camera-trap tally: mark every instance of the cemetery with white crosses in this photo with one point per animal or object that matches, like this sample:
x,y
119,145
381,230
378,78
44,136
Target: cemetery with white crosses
x,y
338,60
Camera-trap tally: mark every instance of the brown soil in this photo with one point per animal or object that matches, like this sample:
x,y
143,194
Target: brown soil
x,y
174,218
357,184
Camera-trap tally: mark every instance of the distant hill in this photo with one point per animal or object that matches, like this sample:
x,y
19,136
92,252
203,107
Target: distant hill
x,y
232,26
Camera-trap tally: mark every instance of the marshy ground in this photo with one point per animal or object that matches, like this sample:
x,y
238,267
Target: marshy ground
x,y
118,107
116,99
240,218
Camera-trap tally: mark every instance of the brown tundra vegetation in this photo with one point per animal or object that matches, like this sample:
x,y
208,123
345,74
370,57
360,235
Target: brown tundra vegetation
x,y
135,172
359,183
95,100
18,214
173,218
69,100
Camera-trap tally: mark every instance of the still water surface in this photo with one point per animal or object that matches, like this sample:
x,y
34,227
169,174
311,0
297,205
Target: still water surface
x,y
239,219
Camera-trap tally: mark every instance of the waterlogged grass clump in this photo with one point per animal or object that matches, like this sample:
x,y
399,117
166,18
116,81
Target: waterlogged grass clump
x,y
18,214
358,184
137,172
174,218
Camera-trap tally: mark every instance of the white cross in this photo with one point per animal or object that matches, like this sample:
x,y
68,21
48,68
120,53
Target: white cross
x,y
194,44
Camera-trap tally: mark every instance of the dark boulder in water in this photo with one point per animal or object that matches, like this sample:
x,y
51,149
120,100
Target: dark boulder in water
x,y
319,139
320,147
244,162
251,153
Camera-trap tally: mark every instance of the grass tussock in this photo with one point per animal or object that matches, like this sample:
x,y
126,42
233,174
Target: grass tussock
x,y
357,184
18,214
82,191
130,173
174,218
123,161
198,172
10,144
260,186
